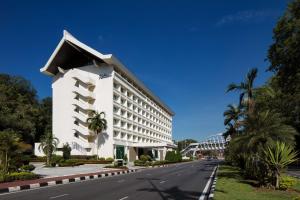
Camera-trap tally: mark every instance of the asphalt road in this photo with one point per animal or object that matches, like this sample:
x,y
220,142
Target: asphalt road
x,y
181,181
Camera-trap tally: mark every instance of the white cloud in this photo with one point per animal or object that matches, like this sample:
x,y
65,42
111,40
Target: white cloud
x,y
246,16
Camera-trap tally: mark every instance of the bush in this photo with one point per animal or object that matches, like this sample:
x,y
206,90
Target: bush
x,y
18,176
140,163
70,163
38,159
27,168
172,156
84,157
66,149
109,159
101,159
145,158
286,182
56,160
159,162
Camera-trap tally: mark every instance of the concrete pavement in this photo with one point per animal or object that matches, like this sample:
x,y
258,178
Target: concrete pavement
x,y
179,181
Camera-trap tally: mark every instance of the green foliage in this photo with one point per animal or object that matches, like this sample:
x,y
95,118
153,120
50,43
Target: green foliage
x,y
184,143
11,149
84,157
27,168
48,145
145,158
284,58
66,149
286,182
101,158
18,176
109,159
173,156
277,156
69,163
96,123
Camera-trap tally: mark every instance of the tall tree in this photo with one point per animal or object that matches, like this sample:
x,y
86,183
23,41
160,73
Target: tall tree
x,y
246,90
18,106
284,57
97,123
43,122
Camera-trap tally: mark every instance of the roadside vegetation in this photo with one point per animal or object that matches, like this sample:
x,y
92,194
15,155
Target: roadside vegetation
x,y
262,129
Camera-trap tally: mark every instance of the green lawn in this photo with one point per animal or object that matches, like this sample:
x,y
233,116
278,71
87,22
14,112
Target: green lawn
x,y
231,186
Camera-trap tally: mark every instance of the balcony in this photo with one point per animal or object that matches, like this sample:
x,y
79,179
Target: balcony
x,y
87,81
84,93
81,129
81,117
83,105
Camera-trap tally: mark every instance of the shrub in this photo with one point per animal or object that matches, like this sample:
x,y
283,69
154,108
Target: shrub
x,y
38,159
145,158
172,156
84,157
101,159
66,149
55,160
70,163
109,159
27,168
140,163
286,182
18,176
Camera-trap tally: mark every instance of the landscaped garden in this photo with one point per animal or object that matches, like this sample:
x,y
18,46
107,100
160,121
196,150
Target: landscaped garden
x,y
231,184
263,129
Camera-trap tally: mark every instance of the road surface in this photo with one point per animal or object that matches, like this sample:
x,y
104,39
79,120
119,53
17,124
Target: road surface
x,y
180,181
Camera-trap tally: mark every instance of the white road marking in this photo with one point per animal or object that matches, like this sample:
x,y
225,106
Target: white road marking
x,y
120,181
124,198
202,197
148,174
162,182
59,196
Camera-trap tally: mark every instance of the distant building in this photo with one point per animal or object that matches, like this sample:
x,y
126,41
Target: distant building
x,y
84,79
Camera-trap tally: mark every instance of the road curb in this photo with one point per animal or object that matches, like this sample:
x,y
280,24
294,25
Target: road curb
x,y
213,186
62,180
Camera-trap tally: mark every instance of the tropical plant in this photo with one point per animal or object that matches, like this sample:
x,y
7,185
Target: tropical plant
x,y
230,131
66,149
277,156
246,89
97,123
9,144
48,145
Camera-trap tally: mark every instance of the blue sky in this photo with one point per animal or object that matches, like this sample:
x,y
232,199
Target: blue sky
x,y
187,52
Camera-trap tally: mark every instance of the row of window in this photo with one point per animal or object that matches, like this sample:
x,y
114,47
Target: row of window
x,y
134,138
135,118
146,104
138,129
140,111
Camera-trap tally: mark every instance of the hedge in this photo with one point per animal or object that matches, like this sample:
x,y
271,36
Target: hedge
x,y
18,176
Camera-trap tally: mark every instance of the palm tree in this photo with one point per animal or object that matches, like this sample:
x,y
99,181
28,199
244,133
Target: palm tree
x,y
97,123
246,89
230,131
277,156
233,113
48,145
265,127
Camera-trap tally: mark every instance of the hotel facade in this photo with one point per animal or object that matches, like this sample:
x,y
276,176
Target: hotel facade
x,y
83,80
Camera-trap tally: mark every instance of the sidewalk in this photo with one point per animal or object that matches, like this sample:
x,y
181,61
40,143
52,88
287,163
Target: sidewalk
x,y
30,184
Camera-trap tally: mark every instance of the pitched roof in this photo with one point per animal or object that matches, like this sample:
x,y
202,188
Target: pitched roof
x,y
71,53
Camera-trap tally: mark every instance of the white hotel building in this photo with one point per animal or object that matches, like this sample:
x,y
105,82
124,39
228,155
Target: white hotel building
x,y
84,79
